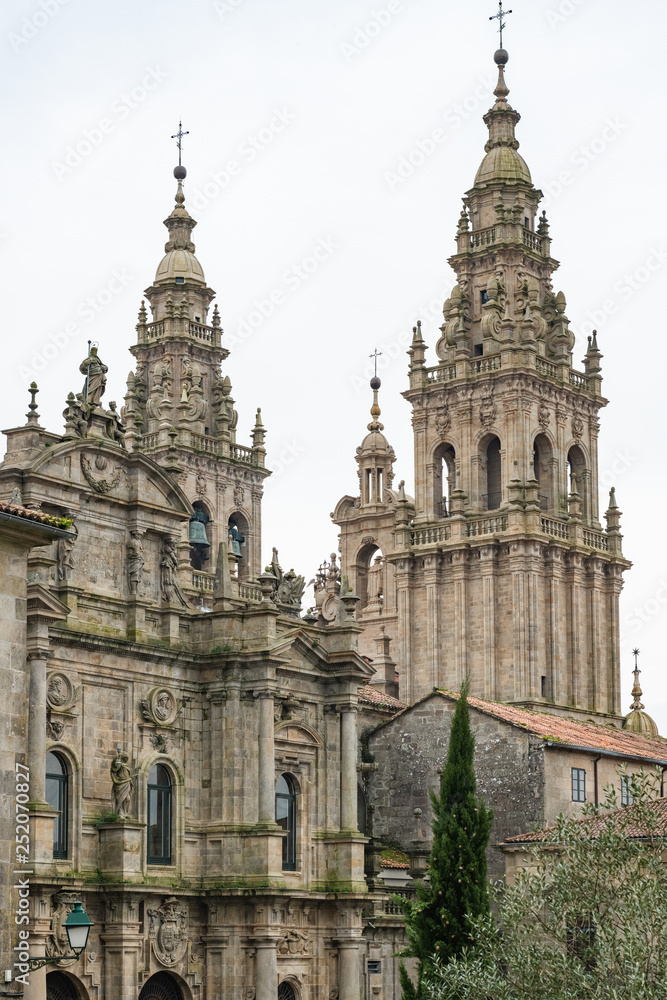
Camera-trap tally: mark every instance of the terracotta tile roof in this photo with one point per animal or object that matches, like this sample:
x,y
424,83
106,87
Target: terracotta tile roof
x,y
596,823
30,515
558,730
372,696
393,858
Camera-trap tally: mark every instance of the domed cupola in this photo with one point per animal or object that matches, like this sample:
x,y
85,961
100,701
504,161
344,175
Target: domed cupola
x,y
638,721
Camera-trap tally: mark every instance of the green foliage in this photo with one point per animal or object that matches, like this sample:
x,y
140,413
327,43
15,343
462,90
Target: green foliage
x,y
106,817
438,923
585,919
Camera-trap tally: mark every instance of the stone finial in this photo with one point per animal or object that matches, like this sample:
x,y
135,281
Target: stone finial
x,y
417,349
593,356
636,688
32,414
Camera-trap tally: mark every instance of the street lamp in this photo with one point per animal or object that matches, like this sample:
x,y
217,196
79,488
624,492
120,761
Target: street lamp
x,y
78,926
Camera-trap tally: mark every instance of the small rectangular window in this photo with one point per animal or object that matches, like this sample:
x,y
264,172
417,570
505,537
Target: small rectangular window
x,y
484,296
526,222
543,686
578,784
478,350
626,793
179,281
374,967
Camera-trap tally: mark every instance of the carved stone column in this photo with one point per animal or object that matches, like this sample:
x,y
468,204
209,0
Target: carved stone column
x,y
348,768
37,725
266,970
266,763
348,976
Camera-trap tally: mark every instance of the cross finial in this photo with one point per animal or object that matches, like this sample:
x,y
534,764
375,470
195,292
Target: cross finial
x,y
499,17
179,139
375,355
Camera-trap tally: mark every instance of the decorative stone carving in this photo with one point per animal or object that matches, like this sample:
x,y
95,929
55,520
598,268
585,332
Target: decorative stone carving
x,y
239,495
64,558
443,421
577,426
168,931
201,484
543,416
160,707
100,485
61,694
487,412
54,729
159,742
135,560
57,943
288,588
294,943
123,784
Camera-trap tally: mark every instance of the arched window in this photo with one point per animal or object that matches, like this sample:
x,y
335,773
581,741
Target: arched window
x,y
491,499
371,579
576,467
286,992
59,987
286,819
57,795
200,544
543,470
161,987
444,479
159,816
237,543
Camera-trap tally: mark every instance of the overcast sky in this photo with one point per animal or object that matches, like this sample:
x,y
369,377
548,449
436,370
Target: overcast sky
x,y
310,129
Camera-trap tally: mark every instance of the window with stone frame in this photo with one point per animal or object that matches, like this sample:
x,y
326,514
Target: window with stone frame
x,y
159,791
57,795
578,784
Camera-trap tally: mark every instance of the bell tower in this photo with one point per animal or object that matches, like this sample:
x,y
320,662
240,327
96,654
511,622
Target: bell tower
x,y
179,410
504,572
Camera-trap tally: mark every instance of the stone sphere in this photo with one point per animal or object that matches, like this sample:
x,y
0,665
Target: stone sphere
x,y
180,173
501,57
375,382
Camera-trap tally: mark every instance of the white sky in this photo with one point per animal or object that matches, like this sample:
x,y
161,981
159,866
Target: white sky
x,y
357,86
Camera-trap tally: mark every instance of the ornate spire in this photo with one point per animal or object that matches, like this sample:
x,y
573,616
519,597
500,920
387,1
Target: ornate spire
x,y
375,424
636,688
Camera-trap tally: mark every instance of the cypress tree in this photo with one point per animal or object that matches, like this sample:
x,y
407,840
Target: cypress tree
x,y
438,922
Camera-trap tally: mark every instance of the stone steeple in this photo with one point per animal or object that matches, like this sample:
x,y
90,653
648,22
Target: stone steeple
x,y
180,411
638,721
503,570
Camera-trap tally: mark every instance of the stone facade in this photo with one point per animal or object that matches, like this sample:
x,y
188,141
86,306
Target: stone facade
x,y
499,569
176,691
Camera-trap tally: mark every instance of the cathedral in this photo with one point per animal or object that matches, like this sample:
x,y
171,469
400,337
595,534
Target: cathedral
x,y
230,784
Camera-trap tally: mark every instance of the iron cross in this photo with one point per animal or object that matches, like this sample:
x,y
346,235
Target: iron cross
x,y
499,16
179,138
375,355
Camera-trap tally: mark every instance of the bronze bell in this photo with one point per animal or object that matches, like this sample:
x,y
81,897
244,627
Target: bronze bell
x,y
197,534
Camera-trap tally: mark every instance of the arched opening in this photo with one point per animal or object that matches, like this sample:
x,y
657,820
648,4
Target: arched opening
x,y
200,543
362,811
444,478
286,818
60,987
492,489
237,545
161,986
159,790
543,471
370,579
577,479
57,796
286,992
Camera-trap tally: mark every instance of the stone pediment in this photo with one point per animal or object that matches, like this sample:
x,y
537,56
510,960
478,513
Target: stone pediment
x,y
110,472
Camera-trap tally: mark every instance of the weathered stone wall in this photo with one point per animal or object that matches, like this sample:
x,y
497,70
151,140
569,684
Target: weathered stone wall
x,y
410,752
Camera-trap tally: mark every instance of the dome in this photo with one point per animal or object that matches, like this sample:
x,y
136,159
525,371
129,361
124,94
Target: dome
x,y
502,163
376,443
180,264
640,722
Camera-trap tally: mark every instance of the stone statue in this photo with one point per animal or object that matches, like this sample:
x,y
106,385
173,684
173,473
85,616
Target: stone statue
x,y
114,426
289,587
96,378
123,785
135,561
64,558
168,567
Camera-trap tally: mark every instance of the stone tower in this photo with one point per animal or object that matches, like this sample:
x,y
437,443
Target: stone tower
x,y
180,412
503,571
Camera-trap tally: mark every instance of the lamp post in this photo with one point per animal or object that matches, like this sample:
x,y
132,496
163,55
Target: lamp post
x,y
78,926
